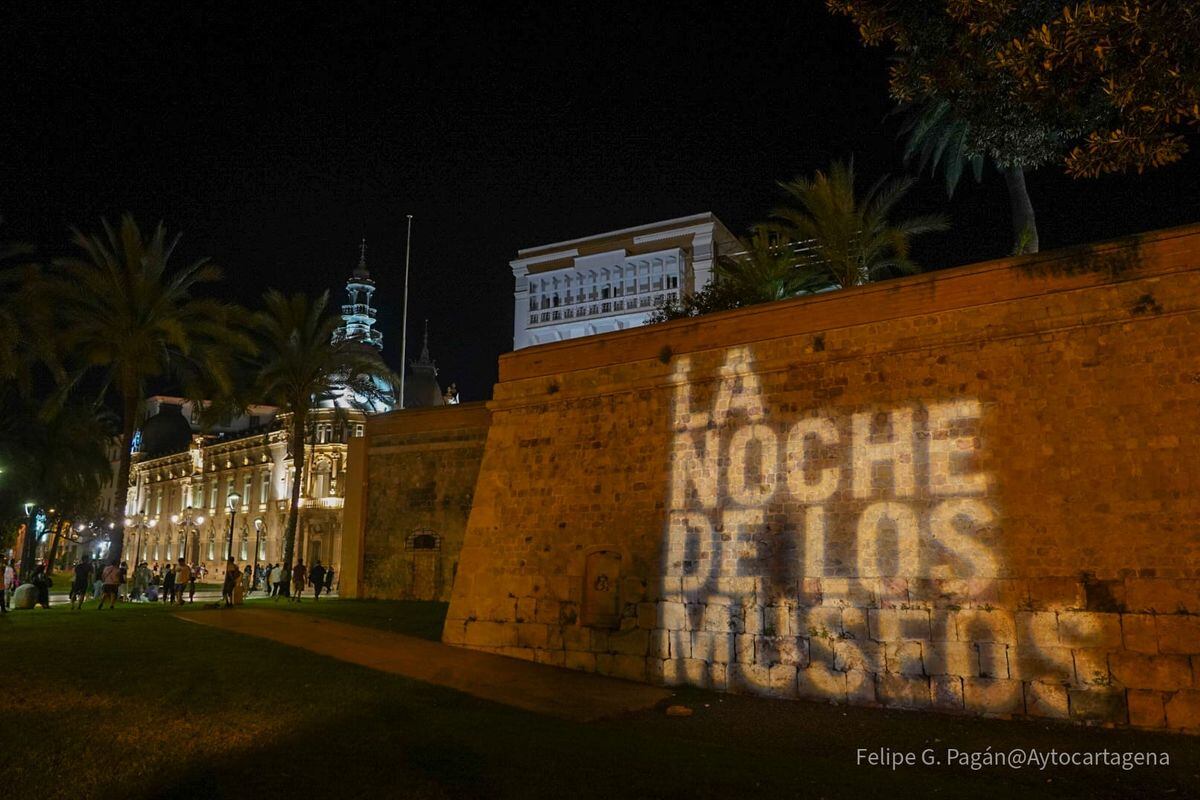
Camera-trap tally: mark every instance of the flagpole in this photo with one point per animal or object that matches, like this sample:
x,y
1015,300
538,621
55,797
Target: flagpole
x,y
404,329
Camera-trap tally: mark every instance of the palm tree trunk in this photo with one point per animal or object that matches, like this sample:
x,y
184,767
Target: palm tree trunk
x,y
29,546
296,445
1025,234
129,402
54,545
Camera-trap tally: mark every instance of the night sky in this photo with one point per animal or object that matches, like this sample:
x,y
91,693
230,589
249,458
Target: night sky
x,y
275,140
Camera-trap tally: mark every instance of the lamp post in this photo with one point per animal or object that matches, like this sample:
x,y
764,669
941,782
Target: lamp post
x,y
139,524
234,499
258,529
192,523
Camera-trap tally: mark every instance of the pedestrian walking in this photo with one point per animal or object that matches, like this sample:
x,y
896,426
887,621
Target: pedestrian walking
x,y
299,573
141,580
276,578
110,581
10,582
79,585
183,574
168,587
191,584
317,579
329,580
232,573
124,573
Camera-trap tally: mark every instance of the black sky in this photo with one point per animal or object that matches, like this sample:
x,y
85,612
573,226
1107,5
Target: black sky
x,y
275,137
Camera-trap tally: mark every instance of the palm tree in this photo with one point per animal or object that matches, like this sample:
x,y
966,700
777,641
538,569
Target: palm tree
x,y
767,270
298,366
125,316
854,238
54,455
936,137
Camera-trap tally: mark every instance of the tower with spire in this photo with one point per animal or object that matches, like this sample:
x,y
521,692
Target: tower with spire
x,y
421,390
358,315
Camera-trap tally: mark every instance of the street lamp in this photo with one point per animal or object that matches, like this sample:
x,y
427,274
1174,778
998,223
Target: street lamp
x,y
140,524
258,529
234,499
192,523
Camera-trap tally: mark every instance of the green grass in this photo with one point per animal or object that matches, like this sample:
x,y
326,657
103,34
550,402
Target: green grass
x,y
135,703
409,617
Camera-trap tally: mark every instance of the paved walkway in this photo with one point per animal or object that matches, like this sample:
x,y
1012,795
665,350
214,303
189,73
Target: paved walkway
x,y
565,693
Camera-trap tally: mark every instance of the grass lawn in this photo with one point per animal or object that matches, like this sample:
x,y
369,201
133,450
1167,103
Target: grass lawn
x,y
409,617
134,703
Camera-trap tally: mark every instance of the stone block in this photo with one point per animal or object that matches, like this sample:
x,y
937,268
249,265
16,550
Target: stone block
x,y
1047,700
722,619
672,616
523,653
1091,668
902,691
555,658
547,611
821,651
1178,633
903,658
1037,628
782,679
752,620
1183,710
628,667
891,592
1139,633
860,687
647,616
1143,671
532,635
789,650
713,647
576,638
959,659
820,622
777,621
847,592
526,609
855,624
1098,705
1089,629
993,697
946,693
1056,594
1163,596
1146,709
820,682
482,633
941,625
985,626
891,625
748,678
868,656
993,660
660,644
1045,664
577,659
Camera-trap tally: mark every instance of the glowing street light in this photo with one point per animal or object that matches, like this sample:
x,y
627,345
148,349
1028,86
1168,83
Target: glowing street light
x,y
234,500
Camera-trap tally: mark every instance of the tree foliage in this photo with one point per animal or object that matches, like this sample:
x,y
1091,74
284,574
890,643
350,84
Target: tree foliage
x,y
297,367
1029,79
129,319
854,239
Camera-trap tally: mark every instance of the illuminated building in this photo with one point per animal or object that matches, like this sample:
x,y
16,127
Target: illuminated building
x,y
612,281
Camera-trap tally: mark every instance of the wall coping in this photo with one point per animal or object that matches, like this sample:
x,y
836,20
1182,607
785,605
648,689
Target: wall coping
x,y
429,420
972,285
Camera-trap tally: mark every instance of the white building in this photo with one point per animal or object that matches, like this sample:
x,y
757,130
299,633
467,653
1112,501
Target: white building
x,y
612,281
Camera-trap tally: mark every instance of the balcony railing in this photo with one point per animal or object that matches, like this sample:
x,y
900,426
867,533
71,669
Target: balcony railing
x,y
589,308
360,310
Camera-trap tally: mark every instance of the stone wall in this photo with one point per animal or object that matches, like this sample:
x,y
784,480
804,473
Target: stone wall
x,y
973,491
420,469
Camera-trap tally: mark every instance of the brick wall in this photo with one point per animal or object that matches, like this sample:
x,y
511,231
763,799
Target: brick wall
x,y
973,491
421,468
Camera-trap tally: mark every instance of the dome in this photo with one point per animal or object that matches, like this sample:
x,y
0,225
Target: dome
x,y
166,432
421,390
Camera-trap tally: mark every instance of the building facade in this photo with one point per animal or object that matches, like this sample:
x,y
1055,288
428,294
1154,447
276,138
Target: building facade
x,y
612,281
225,490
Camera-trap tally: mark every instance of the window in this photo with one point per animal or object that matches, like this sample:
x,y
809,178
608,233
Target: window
x,y
212,495
228,491
264,488
158,501
358,429
672,281
246,490
212,546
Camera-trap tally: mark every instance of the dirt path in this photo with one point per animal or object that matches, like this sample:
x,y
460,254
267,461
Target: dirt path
x,y
540,688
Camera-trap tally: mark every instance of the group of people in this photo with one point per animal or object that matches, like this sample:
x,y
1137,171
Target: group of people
x,y
172,583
